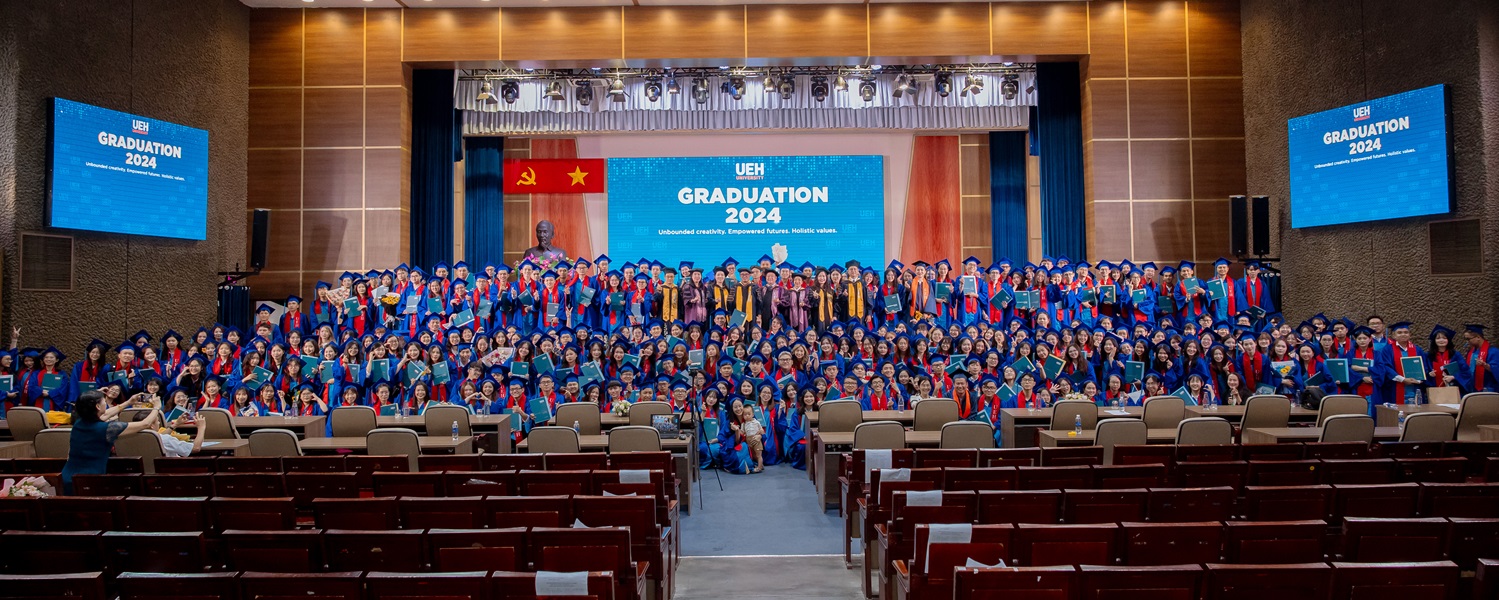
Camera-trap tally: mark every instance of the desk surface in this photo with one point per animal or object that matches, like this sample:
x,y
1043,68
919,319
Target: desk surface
x,y
1488,433
600,443
419,422
1236,412
226,447
913,438
17,450
1051,438
1044,414
904,416
441,442
243,423
1281,435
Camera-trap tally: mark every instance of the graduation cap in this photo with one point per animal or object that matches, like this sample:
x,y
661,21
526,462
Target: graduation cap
x,y
265,307
141,334
1361,330
1442,330
418,271
1103,264
921,263
1167,270
1148,266
1187,264
460,265
1082,264
1222,262
127,345
973,260
896,265
1401,325
550,273
502,268
291,299
1476,329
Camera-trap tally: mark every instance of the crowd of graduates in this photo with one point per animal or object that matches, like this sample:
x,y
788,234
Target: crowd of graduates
x,y
764,342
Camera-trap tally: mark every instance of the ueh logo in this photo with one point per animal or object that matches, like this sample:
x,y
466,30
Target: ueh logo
x,y
140,126
749,170
1360,112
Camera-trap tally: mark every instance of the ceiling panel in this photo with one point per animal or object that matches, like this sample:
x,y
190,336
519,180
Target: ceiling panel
x,y
546,3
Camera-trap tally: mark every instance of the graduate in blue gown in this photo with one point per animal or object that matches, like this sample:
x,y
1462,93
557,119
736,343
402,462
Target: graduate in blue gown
x,y
734,452
795,436
709,446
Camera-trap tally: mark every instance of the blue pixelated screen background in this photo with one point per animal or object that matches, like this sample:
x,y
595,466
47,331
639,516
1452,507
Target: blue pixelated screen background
x,y
1406,172
647,217
98,187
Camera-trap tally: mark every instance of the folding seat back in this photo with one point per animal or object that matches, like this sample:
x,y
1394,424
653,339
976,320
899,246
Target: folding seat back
x,y
323,586
987,544
1472,540
597,585
1186,505
399,550
291,551
1009,457
264,514
576,461
1015,583
512,462
1206,452
957,479
74,585
1472,500
248,464
413,484
456,550
1072,456
1437,580
382,585
154,552
51,552
1112,433
1392,501
178,485
1305,581
249,485
945,457
634,513
1028,506
448,462
1399,450
1211,474
1177,582
1285,472
365,467
583,549
554,483
967,435
1475,452
630,481
177,586
529,511
478,483
185,464
122,484
1367,471
1335,450
1152,544
1107,477
1287,503
1271,542
20,513
1149,454
314,464
40,465
1046,545
144,513
1395,540
1271,451
305,487
1104,506
1054,478
443,513
651,461
83,513
356,513
883,483
1432,470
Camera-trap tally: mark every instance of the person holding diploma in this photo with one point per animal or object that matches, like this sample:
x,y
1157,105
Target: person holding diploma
x,y
1480,359
1228,306
1400,386
1442,354
47,386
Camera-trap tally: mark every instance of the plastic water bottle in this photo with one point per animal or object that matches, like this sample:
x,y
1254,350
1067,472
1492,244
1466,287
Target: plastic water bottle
x,y
1419,399
1400,419
1077,424
1116,403
577,428
455,431
1213,403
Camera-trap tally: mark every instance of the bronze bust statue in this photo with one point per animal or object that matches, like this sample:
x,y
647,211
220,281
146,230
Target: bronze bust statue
x,y
544,248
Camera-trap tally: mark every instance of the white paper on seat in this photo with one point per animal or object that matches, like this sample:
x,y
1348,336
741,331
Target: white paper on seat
x,y
606,493
895,475
554,583
945,533
634,476
1122,413
973,564
876,459
1451,406
578,524
927,498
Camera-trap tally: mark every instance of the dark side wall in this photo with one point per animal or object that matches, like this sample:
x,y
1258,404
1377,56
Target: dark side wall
x,y
1302,57
180,61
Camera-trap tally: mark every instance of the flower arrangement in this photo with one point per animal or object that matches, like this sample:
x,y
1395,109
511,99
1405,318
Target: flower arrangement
x,y
1077,396
180,436
27,487
620,408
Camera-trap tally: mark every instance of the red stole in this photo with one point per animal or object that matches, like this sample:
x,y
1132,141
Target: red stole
x,y
1251,367
1480,373
879,401
1398,353
1438,361
1251,291
1364,389
1230,297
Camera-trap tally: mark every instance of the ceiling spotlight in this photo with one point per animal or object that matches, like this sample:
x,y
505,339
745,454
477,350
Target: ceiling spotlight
x,y
902,85
672,87
866,90
653,90
486,92
770,83
944,84
1029,89
554,90
700,90
584,94
840,84
734,87
1010,86
510,91
617,89
820,88
972,84
788,87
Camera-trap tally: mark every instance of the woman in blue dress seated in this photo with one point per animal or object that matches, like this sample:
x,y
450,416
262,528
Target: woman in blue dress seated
x,y
94,434
734,452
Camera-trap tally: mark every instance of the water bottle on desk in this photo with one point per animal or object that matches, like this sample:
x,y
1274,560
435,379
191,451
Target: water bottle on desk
x,y
1077,425
1400,420
577,428
455,431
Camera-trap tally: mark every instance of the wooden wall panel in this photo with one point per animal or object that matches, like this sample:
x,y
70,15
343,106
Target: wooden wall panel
x,y
275,118
1210,223
274,179
1108,178
1218,168
276,37
565,211
1158,108
518,229
1162,230
273,285
387,116
933,210
1106,109
1106,46
807,30
663,32
333,178
552,34
1040,28
283,241
1214,38
333,117
1110,236
386,177
387,237
1218,107
332,240
449,34
975,175
1157,38
1160,170
928,30
382,47
335,46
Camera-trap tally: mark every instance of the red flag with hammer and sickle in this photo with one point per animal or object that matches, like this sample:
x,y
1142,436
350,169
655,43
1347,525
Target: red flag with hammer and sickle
x,y
554,175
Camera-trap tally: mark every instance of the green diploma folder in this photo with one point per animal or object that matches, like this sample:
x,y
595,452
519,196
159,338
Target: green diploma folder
x,y
1338,368
1413,368
1134,371
1217,290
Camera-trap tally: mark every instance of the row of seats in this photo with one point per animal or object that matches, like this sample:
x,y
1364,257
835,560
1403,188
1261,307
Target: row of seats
x,y
358,462
350,585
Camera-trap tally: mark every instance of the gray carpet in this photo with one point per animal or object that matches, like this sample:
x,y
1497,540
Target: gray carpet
x,y
769,513
766,578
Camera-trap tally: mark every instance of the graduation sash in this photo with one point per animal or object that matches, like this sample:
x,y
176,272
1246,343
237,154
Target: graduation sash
x,y
669,295
1399,365
856,300
744,300
1479,371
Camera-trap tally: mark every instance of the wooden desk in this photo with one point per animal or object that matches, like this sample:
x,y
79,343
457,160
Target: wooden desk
x,y
1285,435
600,443
226,447
905,417
1018,427
499,425
1235,413
17,450
1389,416
441,444
1488,433
306,427
826,448
609,421
1053,438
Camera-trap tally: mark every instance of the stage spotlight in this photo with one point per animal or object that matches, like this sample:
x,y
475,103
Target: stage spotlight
x,y
486,92
653,90
944,84
770,83
840,84
700,90
787,87
866,90
510,91
1030,88
584,93
617,90
734,87
819,88
672,87
902,86
554,90
1010,86
972,84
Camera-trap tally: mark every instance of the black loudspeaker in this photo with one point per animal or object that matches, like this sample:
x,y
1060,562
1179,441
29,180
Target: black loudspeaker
x,y
1238,225
1260,206
260,230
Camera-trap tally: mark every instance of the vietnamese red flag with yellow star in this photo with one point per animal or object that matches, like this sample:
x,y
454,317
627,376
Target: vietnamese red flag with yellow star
x,y
554,175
